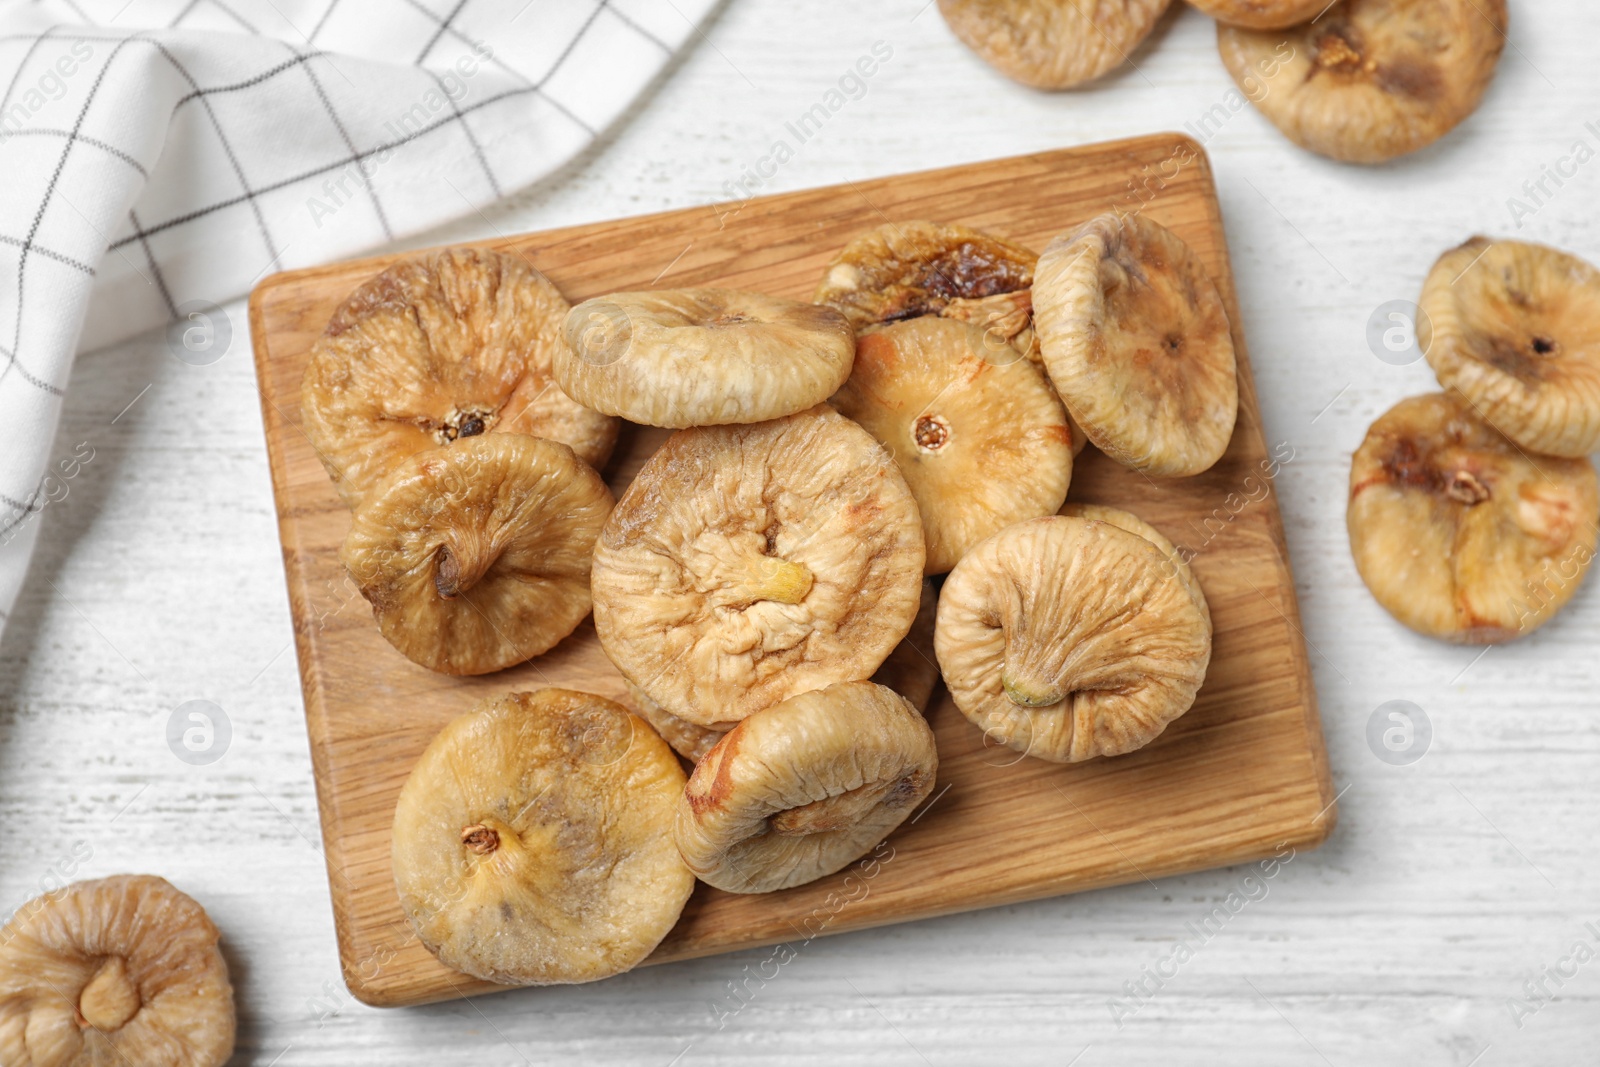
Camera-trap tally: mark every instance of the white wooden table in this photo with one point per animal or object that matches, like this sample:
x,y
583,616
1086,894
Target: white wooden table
x,y
1407,939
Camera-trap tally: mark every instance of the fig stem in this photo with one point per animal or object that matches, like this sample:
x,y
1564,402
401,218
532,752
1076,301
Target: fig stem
x,y
454,574
110,999
480,839
1029,696
780,580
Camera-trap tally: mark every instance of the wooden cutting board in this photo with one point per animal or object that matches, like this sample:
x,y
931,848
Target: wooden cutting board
x,y
1241,775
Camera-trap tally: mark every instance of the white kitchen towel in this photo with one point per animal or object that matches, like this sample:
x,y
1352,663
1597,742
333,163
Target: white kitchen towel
x,y
161,156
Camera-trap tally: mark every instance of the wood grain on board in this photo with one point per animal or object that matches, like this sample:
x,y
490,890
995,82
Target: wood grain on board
x,y
1242,774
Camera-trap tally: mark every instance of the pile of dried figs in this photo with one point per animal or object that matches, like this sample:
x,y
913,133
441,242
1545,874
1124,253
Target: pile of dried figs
x,y
1474,512
1361,81
767,583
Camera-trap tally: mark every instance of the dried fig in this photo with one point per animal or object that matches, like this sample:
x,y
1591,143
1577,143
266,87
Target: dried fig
x,y
1137,342
1515,328
475,556
123,970
1459,533
1126,520
532,842
1262,14
901,270
982,443
799,790
702,357
1370,80
442,346
746,564
1052,44
687,740
1068,639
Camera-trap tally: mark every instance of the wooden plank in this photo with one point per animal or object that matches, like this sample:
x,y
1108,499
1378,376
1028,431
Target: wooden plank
x,y
1243,773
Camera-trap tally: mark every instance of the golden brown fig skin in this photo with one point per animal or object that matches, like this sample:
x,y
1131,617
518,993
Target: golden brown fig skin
x,y
702,357
1370,80
532,842
801,789
977,431
1261,14
475,557
1126,520
1514,328
120,970
1138,345
441,346
746,564
1461,535
1067,639
1052,44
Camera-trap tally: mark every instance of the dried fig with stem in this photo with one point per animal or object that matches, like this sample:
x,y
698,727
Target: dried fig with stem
x,y
975,428
122,970
1459,533
702,357
1137,342
1067,639
1369,80
901,270
1052,44
799,790
1262,14
746,564
532,842
475,556
1515,329
441,346
1126,520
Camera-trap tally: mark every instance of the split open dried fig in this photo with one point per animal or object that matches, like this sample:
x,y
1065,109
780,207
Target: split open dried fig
x,y
746,564
442,346
702,357
1068,639
1515,329
901,270
476,556
1459,533
1137,342
1261,14
982,444
122,970
1369,80
532,842
801,789
1052,44
1127,520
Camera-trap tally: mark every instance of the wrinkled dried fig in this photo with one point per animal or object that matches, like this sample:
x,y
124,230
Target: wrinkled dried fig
x,y
1126,520
1459,533
1370,80
532,842
1068,639
799,790
749,563
1052,44
475,556
123,970
982,444
901,270
1515,328
439,347
702,357
1262,14
1137,343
